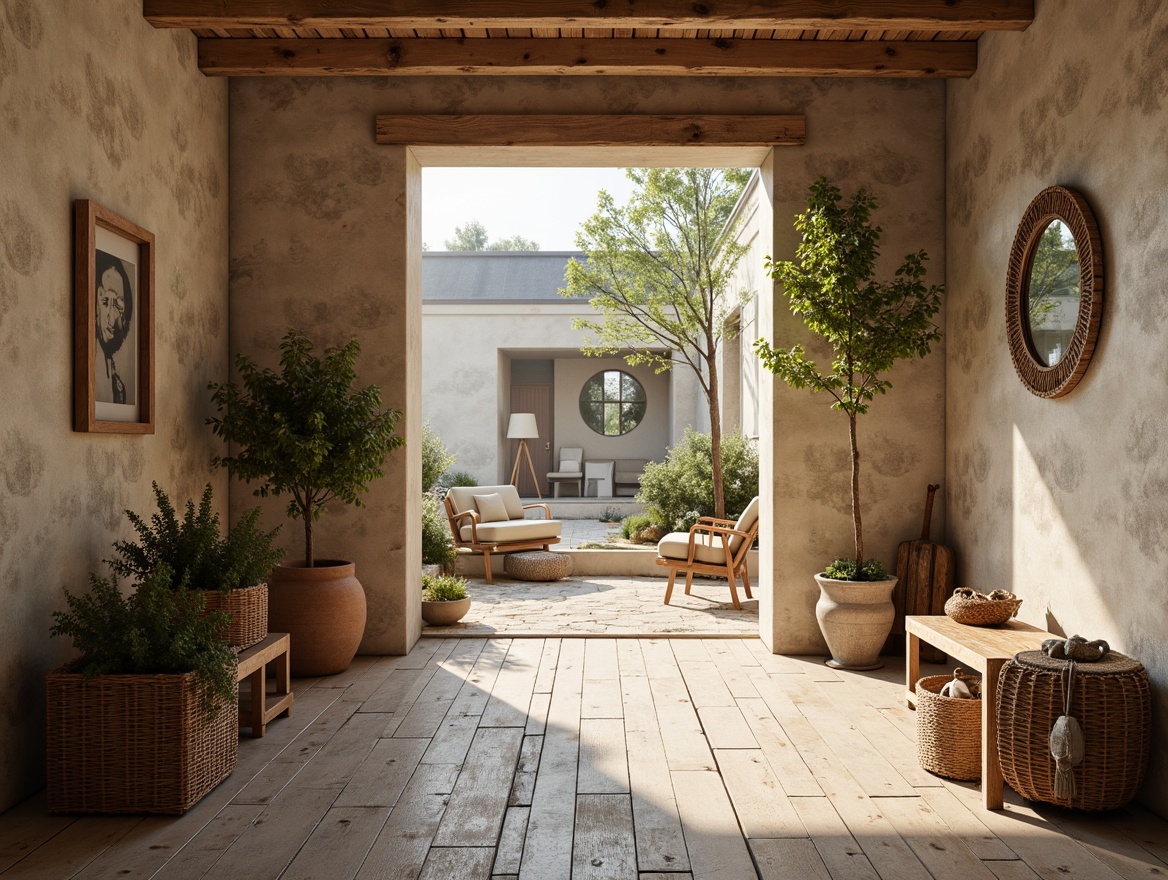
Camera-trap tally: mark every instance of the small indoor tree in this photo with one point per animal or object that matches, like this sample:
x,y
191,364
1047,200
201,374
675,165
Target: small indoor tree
x,y
869,324
306,429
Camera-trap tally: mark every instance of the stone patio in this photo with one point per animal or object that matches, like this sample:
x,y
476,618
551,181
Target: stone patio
x,y
612,606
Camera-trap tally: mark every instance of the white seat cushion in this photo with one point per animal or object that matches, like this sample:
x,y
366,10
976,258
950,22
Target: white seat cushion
x,y
675,545
513,530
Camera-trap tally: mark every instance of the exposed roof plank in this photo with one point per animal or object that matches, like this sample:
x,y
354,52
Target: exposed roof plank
x,y
960,15
603,130
543,57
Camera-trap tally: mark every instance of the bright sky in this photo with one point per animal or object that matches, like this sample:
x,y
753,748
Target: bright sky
x,y
546,205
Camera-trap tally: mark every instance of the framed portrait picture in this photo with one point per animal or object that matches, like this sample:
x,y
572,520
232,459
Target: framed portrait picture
x,y
113,313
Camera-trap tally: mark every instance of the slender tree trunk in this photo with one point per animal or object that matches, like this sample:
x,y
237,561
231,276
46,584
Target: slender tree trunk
x,y
856,495
308,534
716,441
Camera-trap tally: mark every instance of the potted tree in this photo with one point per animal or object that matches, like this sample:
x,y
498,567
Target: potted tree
x,y
231,570
306,430
145,719
869,325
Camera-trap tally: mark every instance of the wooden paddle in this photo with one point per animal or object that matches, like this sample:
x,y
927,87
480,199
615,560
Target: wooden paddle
x,y
924,573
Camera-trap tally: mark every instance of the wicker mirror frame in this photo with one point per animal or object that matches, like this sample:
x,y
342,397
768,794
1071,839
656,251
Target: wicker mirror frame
x,y
1054,203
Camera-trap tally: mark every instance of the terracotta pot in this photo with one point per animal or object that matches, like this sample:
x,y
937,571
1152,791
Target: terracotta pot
x,y
855,618
323,608
445,613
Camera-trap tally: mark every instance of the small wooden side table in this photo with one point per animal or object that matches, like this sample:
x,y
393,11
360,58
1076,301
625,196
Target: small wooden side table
x,y
986,650
253,665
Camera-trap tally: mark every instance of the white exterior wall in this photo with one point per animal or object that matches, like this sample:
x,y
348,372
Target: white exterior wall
x,y
738,365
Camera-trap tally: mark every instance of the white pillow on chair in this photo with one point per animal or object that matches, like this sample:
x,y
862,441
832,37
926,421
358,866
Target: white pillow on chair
x,y
491,508
570,467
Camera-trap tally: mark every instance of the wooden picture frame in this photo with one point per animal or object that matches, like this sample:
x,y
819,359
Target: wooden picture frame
x,y
113,323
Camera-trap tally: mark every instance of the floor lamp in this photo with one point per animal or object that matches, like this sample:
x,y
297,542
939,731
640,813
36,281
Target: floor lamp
x,y
522,427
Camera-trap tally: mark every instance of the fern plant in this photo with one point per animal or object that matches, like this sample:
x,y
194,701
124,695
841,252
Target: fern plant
x,y
193,550
157,629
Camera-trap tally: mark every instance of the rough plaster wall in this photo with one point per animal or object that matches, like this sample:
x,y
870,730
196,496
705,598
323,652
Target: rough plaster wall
x,y
325,238
95,103
1064,501
314,199
890,137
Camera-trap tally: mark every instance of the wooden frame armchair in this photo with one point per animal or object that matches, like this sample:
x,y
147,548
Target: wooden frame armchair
x,y
473,532
713,546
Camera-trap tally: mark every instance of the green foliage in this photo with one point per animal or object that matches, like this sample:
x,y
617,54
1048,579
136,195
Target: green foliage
x,y
443,588
455,478
156,630
192,549
659,271
845,570
473,237
868,324
305,430
610,515
1054,272
633,524
436,458
437,542
680,489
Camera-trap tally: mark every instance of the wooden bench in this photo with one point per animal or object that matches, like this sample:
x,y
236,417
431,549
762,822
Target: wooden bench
x,y
253,665
986,650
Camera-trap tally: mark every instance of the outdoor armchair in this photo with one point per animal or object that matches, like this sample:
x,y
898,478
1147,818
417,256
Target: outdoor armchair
x,y
571,470
492,519
713,546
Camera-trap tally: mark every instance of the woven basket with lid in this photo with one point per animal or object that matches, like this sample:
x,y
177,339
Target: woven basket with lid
x,y
1111,700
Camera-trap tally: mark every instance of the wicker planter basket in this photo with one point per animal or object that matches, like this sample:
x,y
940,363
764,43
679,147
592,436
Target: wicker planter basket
x,y
249,613
134,743
948,730
1112,702
976,609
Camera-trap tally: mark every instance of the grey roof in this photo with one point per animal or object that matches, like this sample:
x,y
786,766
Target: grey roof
x,y
494,276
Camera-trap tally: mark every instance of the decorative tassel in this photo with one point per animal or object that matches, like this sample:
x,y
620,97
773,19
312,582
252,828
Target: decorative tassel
x,y
1066,742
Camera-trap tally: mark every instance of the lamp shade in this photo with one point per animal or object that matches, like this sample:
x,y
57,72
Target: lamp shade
x,y
522,427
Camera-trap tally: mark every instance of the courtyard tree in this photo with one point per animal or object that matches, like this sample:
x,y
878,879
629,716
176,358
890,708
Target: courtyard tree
x,y
659,271
473,237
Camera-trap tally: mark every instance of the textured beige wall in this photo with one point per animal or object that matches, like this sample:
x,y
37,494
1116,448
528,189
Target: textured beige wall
x,y
95,103
315,202
1064,501
889,137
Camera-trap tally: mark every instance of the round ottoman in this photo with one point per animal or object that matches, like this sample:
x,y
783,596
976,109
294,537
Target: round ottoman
x,y
537,565
1111,700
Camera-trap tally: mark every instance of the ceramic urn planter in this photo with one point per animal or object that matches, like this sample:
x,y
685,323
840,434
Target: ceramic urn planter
x,y
323,608
855,618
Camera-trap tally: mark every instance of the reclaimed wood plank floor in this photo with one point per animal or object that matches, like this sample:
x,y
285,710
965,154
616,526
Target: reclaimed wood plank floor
x,y
542,759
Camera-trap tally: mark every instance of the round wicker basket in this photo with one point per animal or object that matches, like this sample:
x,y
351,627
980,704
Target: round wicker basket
x,y
976,609
948,730
1111,700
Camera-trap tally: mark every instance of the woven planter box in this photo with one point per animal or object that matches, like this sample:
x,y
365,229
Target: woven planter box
x,y
948,731
134,743
1111,700
248,609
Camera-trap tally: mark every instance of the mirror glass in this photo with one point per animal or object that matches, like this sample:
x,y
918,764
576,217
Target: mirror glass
x,y
612,403
1053,293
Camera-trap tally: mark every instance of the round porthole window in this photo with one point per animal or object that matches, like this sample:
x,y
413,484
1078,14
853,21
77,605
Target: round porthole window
x,y
612,403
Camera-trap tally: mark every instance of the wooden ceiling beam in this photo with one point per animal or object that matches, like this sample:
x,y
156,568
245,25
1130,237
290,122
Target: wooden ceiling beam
x,y
611,57
637,130
917,15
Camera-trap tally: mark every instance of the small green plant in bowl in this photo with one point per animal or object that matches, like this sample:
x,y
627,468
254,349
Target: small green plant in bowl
x,y
443,588
444,599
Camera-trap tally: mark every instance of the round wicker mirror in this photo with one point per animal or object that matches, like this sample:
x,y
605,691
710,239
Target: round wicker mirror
x,y
1054,292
